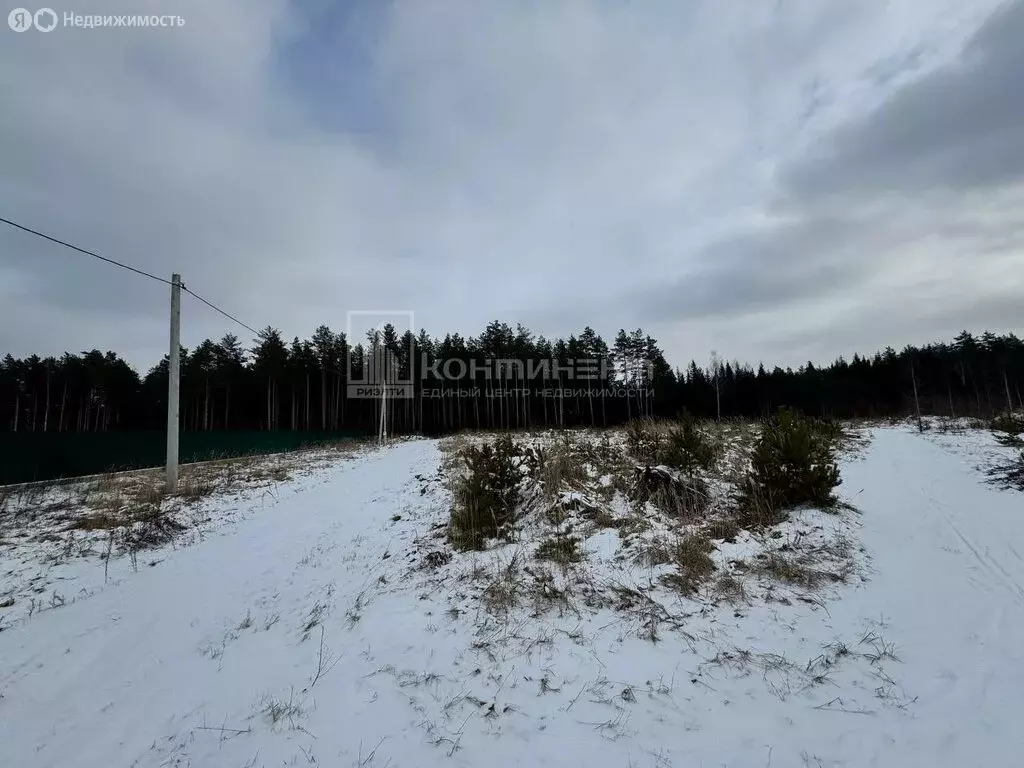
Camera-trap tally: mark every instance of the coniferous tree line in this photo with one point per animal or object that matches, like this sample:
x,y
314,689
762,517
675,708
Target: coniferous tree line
x,y
302,384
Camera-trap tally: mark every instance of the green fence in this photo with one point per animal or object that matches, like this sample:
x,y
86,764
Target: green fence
x,y
31,456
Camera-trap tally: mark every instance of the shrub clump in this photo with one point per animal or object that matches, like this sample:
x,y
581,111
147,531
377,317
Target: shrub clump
x,y
1010,423
687,448
793,463
684,499
560,466
485,498
1009,475
560,549
1009,428
644,441
830,430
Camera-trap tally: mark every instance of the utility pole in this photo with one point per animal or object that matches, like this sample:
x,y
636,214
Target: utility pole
x,y
173,385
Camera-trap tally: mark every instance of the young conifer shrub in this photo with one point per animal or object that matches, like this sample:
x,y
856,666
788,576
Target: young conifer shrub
x,y
792,464
485,498
687,448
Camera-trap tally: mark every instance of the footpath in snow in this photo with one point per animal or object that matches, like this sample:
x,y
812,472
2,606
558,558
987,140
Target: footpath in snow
x,y
307,634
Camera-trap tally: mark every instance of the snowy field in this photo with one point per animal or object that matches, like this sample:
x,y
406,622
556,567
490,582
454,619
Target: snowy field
x,y
313,615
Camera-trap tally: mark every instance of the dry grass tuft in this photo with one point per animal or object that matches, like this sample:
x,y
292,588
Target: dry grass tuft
x,y
798,571
602,518
730,589
557,467
278,710
694,565
654,553
645,440
788,570
723,530
679,499
99,521
196,488
504,586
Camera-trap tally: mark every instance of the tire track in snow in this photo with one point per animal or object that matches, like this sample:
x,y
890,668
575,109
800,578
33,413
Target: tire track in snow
x,y
988,563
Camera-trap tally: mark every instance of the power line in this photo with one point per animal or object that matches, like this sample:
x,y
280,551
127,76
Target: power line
x,y
83,250
129,268
218,309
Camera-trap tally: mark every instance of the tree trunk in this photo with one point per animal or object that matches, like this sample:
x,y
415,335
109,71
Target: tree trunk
x,y
227,407
339,407
46,413
917,403
63,403
270,383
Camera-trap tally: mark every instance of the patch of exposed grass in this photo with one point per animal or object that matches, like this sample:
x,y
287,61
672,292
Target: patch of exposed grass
x,y
150,527
278,710
788,570
602,518
723,530
729,588
149,494
99,521
681,499
655,552
504,587
194,489
797,571
560,549
694,565
556,467
645,440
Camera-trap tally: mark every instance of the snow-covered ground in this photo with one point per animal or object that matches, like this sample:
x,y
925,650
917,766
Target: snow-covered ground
x,y
317,627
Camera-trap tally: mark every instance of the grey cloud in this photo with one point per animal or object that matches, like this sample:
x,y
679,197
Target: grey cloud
x,y
954,128
536,160
935,164
749,272
872,327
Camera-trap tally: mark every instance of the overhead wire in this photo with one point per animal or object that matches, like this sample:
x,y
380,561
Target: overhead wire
x,y
130,268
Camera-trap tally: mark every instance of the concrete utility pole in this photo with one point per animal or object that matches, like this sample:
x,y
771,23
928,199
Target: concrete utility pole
x,y
173,385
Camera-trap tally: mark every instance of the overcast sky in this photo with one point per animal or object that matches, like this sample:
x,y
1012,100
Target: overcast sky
x,y
778,181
